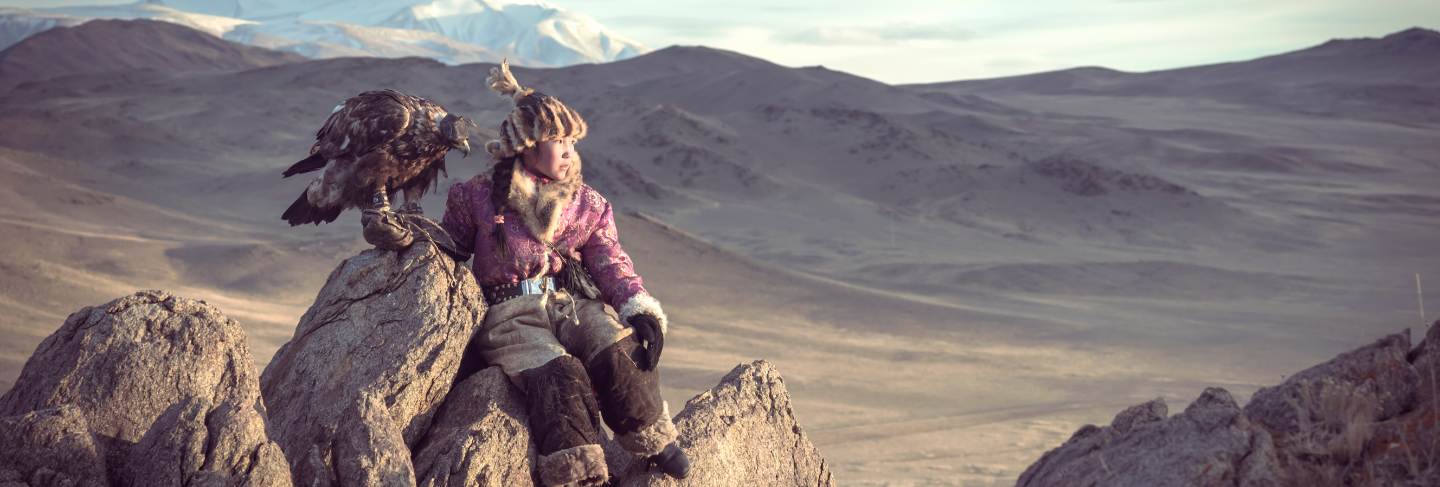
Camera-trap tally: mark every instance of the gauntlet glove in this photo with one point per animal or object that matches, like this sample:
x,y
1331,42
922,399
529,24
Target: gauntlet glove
x,y
647,329
398,230
386,230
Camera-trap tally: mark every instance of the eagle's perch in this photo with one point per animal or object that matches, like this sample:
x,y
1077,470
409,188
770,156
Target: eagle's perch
x,y
376,143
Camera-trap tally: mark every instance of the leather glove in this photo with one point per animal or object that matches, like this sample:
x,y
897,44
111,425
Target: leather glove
x,y
647,329
386,230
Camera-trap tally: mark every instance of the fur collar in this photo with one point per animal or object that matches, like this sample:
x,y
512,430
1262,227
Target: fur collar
x,y
540,205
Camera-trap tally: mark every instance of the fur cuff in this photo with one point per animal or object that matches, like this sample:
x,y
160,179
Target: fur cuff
x,y
653,438
643,303
578,466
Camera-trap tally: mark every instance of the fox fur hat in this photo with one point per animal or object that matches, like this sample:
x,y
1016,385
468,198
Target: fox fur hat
x,y
537,117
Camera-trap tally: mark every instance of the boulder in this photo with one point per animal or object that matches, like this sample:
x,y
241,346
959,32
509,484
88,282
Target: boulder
x,y
1323,417
369,448
1406,448
1370,416
197,443
51,446
481,437
136,367
354,392
742,432
1210,444
374,388
1322,409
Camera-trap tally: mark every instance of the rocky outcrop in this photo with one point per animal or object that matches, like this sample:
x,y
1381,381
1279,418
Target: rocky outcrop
x,y
1370,416
743,432
196,442
1323,417
481,437
154,389
356,389
1211,443
146,379
158,390
51,446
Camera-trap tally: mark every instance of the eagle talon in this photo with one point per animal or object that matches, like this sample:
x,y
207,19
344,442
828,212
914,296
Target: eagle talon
x,y
411,208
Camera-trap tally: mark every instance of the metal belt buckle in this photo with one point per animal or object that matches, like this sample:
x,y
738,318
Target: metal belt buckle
x,y
536,286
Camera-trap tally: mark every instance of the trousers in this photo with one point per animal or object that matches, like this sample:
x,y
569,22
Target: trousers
x,y
575,362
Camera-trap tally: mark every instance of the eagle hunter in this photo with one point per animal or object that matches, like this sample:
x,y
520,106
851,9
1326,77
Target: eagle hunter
x,y
374,144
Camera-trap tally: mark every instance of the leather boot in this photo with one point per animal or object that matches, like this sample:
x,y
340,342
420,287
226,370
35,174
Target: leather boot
x,y
632,406
561,405
672,460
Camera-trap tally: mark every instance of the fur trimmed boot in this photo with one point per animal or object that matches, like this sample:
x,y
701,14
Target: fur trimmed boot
x,y
580,466
632,406
651,439
562,409
629,395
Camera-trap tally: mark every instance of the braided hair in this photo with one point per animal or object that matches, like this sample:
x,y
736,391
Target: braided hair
x,y
503,170
500,176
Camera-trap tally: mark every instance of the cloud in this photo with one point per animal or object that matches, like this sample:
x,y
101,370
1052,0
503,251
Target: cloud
x,y
678,26
886,34
1011,63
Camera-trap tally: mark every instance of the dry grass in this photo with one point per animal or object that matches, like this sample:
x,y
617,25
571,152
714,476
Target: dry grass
x,y
1337,423
1330,442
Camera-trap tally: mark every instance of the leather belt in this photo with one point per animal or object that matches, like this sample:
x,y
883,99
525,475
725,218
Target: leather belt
x,y
500,293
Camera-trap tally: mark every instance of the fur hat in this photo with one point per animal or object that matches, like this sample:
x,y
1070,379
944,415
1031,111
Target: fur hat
x,y
536,117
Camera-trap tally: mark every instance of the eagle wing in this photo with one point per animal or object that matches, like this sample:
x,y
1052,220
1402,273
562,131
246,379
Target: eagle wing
x,y
364,123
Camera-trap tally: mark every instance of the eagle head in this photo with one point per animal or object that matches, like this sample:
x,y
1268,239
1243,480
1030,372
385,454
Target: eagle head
x,y
457,130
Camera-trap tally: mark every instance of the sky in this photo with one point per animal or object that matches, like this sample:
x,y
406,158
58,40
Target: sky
x,y
911,41
915,41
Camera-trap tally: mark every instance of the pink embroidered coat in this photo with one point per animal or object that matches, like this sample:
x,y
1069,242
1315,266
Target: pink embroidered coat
x,y
586,225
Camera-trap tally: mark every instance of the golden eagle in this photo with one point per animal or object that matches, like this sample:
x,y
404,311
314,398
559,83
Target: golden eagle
x,y
373,144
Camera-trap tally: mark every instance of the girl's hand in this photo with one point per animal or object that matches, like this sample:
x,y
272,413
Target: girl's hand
x,y
647,328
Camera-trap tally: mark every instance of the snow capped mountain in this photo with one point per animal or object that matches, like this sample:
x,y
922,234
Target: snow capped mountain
x,y
17,24
325,39
530,30
532,33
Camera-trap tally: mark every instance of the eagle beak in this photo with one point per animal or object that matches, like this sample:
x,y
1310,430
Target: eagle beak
x,y
465,148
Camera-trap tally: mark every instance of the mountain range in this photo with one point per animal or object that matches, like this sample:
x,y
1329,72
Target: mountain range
x,y
452,31
953,275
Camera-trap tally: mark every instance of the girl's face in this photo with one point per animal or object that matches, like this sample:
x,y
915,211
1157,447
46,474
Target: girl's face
x,y
553,158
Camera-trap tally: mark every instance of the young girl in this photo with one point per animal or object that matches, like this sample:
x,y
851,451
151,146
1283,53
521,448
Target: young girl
x,y
560,344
